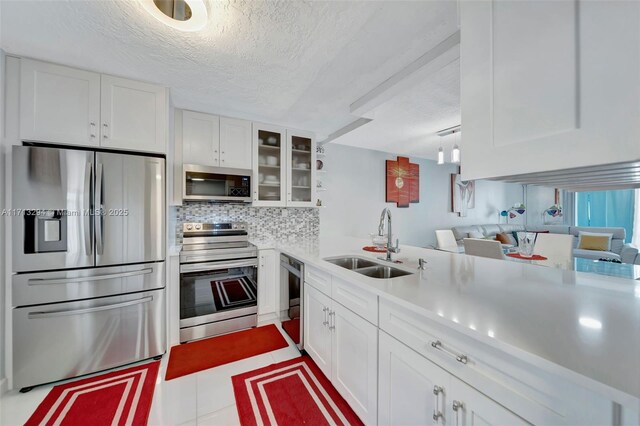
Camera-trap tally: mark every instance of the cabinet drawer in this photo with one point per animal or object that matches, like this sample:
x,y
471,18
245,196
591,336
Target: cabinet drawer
x,y
357,300
318,279
534,394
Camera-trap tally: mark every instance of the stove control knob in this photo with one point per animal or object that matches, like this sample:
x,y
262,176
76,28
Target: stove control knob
x,y
198,226
189,227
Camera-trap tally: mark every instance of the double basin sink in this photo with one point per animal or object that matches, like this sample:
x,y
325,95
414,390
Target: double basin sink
x,y
367,267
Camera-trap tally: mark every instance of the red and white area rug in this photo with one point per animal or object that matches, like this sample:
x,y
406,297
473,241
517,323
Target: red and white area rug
x,y
290,393
116,398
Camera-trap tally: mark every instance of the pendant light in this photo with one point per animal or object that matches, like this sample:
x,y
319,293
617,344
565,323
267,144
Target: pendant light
x,y
455,154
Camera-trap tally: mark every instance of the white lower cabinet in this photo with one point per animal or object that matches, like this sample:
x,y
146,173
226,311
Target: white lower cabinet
x,y
344,346
317,335
354,361
415,391
412,389
469,407
267,283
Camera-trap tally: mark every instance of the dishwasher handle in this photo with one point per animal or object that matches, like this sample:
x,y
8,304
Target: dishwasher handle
x,y
286,265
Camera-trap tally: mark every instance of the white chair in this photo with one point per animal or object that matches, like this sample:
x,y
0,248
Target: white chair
x,y
483,248
557,248
445,238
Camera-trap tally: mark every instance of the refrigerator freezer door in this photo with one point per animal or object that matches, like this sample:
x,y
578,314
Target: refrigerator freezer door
x,y
130,190
77,284
64,340
51,204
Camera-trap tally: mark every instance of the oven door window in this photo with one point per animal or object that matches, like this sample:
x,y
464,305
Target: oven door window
x,y
202,184
205,293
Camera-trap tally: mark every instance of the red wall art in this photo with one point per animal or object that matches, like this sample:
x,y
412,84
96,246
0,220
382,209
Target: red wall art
x,y
403,182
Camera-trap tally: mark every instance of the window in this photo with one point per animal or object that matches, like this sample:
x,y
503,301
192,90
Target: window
x,y
606,209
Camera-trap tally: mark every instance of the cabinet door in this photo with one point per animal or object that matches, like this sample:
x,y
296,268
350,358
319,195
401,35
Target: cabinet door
x,y
535,95
267,271
412,389
59,104
200,138
301,169
134,115
317,336
469,407
269,166
354,361
235,143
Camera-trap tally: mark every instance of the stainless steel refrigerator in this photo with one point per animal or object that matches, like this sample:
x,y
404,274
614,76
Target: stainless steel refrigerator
x,y
88,257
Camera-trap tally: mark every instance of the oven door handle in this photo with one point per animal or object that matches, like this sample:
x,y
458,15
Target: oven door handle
x,y
209,266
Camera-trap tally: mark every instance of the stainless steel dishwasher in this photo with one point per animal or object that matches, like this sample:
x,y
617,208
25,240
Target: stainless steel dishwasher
x,y
291,298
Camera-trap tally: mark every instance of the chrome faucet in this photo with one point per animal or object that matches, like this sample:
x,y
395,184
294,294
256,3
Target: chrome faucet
x,y
390,248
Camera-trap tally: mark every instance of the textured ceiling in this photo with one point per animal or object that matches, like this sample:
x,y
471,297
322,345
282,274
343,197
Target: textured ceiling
x,y
407,124
295,63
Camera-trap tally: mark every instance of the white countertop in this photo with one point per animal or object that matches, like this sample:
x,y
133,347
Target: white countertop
x,y
582,326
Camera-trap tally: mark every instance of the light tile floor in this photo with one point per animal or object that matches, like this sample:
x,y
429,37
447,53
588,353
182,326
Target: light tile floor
x,y
202,398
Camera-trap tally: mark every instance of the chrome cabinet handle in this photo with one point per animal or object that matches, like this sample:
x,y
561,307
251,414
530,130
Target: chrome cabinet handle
x,y
88,229
332,318
457,406
325,322
105,126
50,314
92,129
437,414
462,358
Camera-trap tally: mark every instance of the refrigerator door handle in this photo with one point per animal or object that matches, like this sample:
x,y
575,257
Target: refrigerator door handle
x,y
45,281
87,209
50,314
99,208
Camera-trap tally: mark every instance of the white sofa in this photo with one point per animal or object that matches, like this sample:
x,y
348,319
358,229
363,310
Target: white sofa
x,y
625,253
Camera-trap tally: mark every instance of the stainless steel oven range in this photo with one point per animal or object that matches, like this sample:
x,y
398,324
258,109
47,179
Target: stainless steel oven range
x,y
218,280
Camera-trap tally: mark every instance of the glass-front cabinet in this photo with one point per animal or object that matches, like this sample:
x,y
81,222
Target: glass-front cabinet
x,y
269,165
301,169
283,167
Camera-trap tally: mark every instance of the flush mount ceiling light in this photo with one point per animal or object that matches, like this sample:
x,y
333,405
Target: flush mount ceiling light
x,y
183,15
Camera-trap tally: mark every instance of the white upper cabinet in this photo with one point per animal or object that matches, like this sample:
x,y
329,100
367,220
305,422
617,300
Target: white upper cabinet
x,y
301,169
200,138
134,115
210,140
235,143
269,165
59,104
69,106
548,85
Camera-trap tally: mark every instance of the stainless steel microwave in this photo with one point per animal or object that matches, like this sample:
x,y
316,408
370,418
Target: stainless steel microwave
x,y
221,184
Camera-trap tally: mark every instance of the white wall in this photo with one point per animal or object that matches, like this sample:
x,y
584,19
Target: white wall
x,y
540,198
355,197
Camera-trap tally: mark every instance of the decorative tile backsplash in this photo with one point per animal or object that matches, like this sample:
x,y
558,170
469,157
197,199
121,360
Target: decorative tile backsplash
x,y
264,223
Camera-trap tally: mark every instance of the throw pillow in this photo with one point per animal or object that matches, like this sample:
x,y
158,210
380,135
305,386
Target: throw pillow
x,y
511,240
594,241
476,234
503,238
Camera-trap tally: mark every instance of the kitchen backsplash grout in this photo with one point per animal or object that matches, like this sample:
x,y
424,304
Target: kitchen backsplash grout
x,y
264,223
